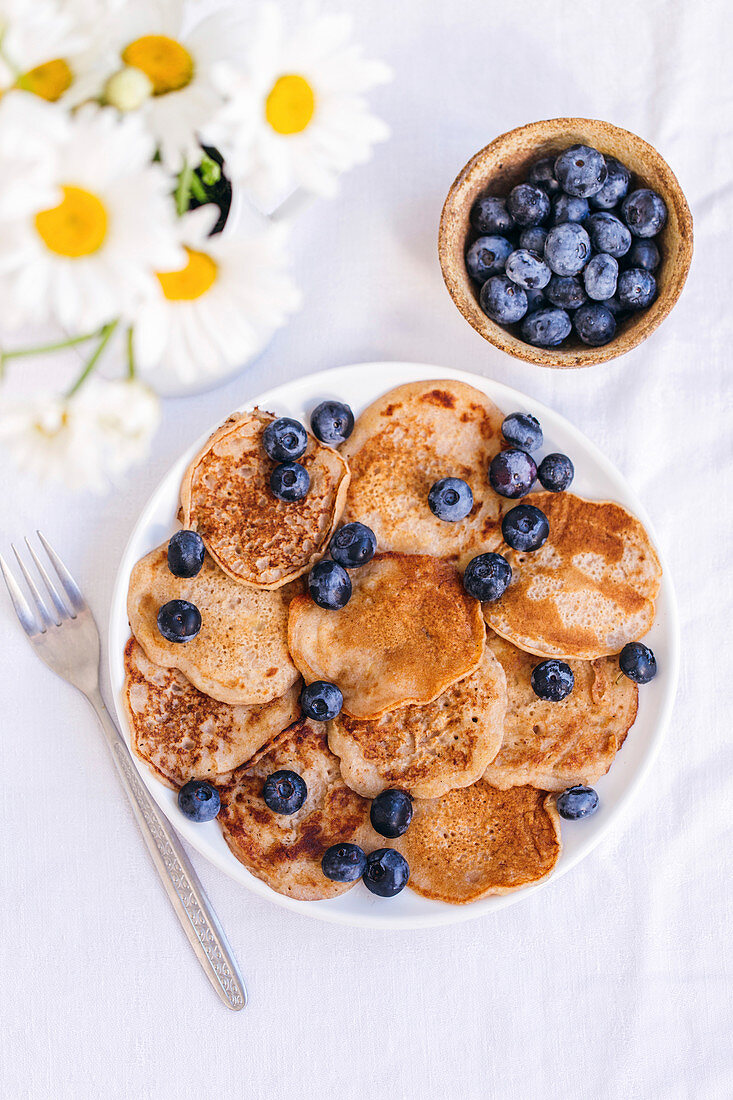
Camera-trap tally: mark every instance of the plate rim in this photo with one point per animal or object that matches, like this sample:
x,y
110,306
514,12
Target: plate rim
x,y
437,913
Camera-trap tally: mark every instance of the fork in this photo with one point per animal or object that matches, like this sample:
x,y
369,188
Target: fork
x,y
65,637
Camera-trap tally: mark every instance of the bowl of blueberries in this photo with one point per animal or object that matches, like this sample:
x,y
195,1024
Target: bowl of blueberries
x,y
566,242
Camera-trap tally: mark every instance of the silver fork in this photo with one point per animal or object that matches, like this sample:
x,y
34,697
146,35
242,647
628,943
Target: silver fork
x,y
65,636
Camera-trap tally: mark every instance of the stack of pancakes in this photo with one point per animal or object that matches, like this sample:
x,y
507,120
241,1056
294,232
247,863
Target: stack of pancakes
x,y
437,694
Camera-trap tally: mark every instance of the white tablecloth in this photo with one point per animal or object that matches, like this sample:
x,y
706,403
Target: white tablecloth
x,y
613,982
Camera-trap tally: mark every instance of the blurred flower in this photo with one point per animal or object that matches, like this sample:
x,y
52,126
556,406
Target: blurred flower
x,y
84,441
29,130
86,255
41,40
218,309
296,115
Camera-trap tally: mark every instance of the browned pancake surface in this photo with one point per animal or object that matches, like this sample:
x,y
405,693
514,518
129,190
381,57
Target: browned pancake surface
x,y
253,536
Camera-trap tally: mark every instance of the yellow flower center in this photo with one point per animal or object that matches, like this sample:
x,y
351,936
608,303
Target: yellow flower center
x,y
192,281
76,227
290,105
167,64
49,81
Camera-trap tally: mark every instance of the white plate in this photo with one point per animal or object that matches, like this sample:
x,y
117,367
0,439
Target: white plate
x,y
595,477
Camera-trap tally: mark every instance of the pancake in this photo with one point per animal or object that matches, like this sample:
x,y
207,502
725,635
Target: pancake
x,y
252,536
285,850
588,591
426,750
556,745
240,655
182,734
409,631
402,444
479,840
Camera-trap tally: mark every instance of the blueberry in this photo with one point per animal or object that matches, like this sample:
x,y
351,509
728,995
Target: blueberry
x,y
528,269
352,545
581,170
185,553
290,482
542,174
329,585
450,499
522,430
601,276
512,473
502,300
552,680
645,212
528,205
535,300
546,328
594,324
608,234
637,288
284,439
489,215
614,306
567,248
525,527
638,663
344,862
179,621
332,422
486,257
387,872
555,472
616,186
198,800
569,208
391,813
533,238
577,802
566,291
487,577
643,253
321,701
284,792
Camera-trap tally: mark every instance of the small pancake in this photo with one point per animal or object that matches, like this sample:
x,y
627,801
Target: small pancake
x,y
479,840
426,750
405,442
182,734
254,537
409,631
285,850
556,745
240,655
588,591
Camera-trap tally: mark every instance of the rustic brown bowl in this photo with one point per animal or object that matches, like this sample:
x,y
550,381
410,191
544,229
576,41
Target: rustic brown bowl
x,y
502,165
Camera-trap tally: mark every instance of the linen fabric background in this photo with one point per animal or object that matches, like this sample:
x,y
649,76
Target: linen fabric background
x,y
612,982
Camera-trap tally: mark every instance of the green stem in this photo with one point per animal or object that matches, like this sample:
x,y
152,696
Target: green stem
x,y
44,349
197,189
106,333
183,190
130,354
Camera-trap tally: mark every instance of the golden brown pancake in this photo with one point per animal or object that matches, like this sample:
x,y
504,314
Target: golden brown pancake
x,y
478,840
408,632
426,750
182,734
405,442
285,850
240,655
250,534
588,591
556,745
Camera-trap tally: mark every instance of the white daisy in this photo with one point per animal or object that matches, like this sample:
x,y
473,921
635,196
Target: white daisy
x,y
41,40
296,115
89,255
220,308
29,131
84,441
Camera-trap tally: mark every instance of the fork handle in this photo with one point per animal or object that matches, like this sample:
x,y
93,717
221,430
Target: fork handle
x,y
187,895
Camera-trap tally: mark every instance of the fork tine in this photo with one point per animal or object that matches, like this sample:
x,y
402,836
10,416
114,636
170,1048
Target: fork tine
x,y
61,608
22,610
41,608
68,583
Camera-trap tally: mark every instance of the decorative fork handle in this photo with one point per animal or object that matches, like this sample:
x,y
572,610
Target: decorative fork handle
x,y
181,882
